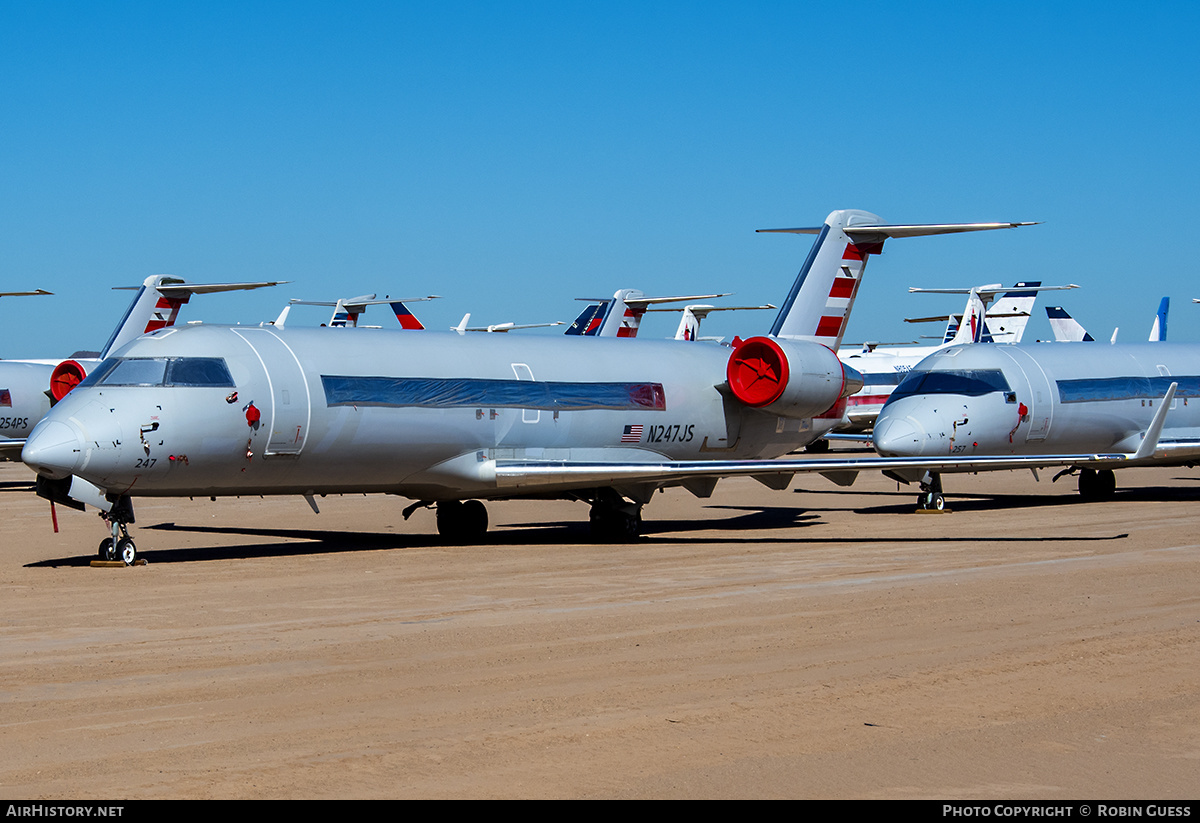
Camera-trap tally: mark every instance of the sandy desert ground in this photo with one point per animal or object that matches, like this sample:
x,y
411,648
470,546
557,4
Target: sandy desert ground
x,y
816,642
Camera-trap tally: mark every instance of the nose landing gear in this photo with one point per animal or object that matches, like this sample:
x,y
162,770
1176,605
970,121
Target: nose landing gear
x,y
120,546
931,498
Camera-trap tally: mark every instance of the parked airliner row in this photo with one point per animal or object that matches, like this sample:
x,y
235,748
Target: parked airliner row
x,y
443,418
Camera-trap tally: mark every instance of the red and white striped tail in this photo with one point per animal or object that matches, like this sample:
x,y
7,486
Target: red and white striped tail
x,y
818,306
820,301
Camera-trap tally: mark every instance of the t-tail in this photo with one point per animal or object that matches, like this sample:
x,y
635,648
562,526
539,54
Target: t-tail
x,y
818,306
157,305
621,315
1009,315
973,326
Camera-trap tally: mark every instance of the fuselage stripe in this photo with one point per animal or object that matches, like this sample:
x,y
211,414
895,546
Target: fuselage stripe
x,y
477,393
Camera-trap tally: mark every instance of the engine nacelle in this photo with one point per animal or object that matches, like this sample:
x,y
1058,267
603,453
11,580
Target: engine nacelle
x,y
789,378
66,375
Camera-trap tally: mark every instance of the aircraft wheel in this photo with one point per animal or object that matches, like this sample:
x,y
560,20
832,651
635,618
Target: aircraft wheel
x,y
612,525
449,518
474,519
931,501
1088,484
817,446
1106,484
106,550
126,551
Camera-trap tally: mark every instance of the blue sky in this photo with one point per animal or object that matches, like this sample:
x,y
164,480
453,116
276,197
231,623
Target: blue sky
x,y
514,156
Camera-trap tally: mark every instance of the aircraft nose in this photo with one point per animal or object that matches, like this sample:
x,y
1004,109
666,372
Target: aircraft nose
x,y
54,449
898,437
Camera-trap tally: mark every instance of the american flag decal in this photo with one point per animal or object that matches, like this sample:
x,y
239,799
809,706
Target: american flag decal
x,y
632,434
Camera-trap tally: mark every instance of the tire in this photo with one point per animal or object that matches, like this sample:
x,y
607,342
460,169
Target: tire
x,y
449,519
474,520
106,550
126,551
1089,484
1106,484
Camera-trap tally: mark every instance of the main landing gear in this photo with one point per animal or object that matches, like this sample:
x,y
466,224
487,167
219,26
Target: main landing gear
x,y
462,521
120,546
614,519
1097,484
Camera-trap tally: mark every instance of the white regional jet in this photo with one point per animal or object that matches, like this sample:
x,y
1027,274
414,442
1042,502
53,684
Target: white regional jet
x,y
883,368
28,388
1047,399
444,418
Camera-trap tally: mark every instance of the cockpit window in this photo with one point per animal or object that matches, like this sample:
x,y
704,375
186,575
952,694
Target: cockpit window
x,y
970,382
136,371
198,371
161,371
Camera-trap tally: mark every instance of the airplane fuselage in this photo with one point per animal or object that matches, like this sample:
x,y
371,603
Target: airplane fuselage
x,y
1044,399
23,398
210,410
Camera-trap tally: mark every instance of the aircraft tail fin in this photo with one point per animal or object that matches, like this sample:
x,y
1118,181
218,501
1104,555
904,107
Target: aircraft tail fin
x,y
689,324
1009,315
158,302
819,303
342,317
1065,327
407,319
624,318
973,327
590,320
1158,331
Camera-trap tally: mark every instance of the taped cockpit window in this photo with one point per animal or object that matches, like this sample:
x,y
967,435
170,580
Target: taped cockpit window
x,y
513,394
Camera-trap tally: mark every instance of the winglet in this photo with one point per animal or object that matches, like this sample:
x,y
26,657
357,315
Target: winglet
x,y
1150,441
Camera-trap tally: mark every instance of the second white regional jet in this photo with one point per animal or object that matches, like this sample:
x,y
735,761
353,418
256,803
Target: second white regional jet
x,y
1135,399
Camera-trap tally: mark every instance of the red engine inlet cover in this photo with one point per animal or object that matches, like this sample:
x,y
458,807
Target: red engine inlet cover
x,y
757,372
66,375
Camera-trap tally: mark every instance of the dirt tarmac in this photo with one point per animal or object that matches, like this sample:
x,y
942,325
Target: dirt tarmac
x,y
819,642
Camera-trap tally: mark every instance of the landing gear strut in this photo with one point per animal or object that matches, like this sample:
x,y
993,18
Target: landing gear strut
x,y
614,519
120,546
931,498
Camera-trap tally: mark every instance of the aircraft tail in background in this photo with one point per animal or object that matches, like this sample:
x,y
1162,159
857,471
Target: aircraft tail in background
x,y
1158,331
157,303
818,306
1065,327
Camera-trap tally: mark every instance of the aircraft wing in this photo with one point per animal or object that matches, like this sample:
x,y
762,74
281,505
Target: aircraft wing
x,y
11,449
526,474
